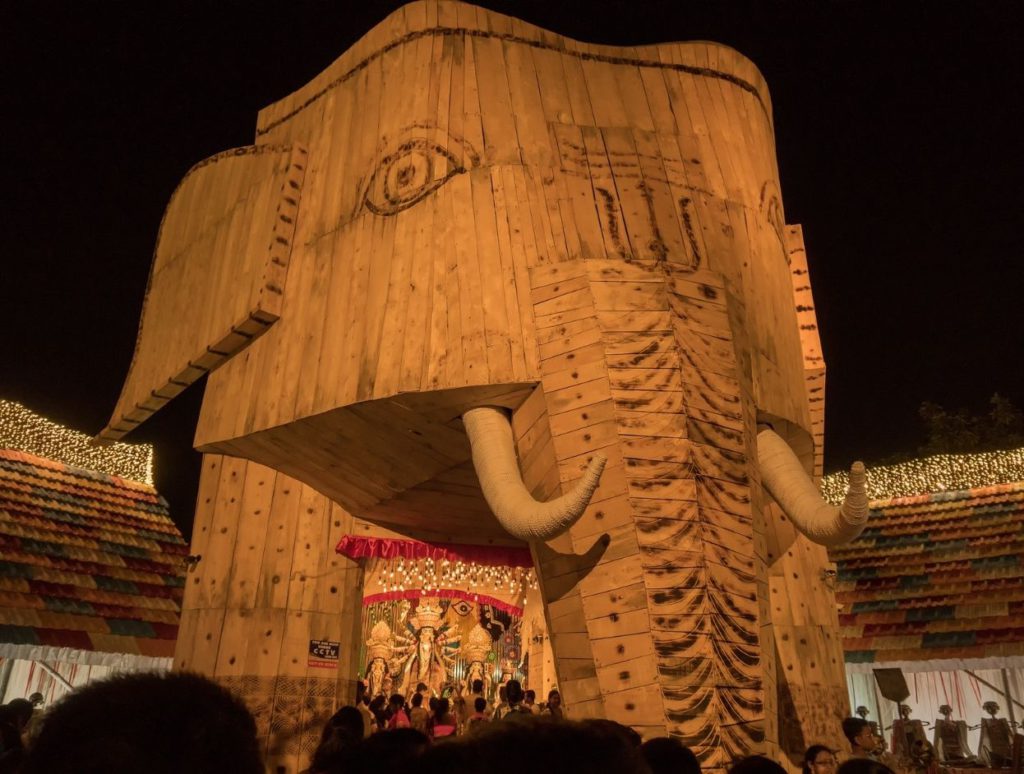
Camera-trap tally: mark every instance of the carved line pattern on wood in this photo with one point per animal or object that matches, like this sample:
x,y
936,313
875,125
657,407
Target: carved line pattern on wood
x,y
411,37
258,319
822,715
712,675
691,237
407,175
247,150
290,712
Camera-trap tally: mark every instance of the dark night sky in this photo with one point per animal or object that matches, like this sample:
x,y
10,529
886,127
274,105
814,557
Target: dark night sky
x,y
898,128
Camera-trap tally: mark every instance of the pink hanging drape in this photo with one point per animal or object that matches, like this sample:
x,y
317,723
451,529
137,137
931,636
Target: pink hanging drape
x,y
356,547
389,596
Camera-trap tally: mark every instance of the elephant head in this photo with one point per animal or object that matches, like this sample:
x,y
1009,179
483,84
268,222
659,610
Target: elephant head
x,y
473,266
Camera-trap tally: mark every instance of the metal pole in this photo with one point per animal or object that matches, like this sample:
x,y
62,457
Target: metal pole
x,y
1004,690
5,676
56,675
1009,698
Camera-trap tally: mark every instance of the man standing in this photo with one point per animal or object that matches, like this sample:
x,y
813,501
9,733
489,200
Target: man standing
x,y
865,742
419,716
513,707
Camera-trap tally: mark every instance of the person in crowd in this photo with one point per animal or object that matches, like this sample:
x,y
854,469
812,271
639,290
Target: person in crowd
x,y
341,733
14,720
505,748
378,708
396,752
423,690
369,719
419,717
864,742
756,764
465,704
513,706
479,716
442,722
501,705
604,726
36,721
398,718
667,755
530,702
554,705
147,722
478,692
864,766
819,759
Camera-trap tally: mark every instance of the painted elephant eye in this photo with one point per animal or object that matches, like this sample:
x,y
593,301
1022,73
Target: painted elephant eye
x,y
414,170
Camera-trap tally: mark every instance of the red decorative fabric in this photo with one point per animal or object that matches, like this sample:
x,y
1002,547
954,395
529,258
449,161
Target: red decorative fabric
x,y
390,596
356,547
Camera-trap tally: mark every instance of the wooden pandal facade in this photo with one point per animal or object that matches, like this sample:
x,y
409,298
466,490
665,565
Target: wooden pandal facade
x,y
465,210
267,584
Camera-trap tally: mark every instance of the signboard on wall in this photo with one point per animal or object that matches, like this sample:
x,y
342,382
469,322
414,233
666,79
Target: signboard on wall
x,y
324,654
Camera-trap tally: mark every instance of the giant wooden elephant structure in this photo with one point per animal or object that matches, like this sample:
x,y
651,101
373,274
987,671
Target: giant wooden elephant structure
x,y
466,213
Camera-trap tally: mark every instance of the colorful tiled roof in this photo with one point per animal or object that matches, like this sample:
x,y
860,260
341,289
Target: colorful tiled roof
x,y
88,560
936,576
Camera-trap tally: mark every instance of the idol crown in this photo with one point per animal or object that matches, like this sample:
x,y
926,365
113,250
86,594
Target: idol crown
x,y
479,644
379,644
427,616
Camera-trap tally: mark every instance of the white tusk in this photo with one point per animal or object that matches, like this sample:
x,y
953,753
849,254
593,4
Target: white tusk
x,y
787,481
494,457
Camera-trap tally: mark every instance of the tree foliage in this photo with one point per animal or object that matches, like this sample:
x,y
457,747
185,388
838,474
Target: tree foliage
x,y
963,431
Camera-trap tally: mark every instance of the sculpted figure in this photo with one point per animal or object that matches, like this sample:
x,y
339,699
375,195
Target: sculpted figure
x,y
431,650
380,647
475,653
477,282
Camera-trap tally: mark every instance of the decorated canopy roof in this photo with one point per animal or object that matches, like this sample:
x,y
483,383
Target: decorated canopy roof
x,y
936,576
88,561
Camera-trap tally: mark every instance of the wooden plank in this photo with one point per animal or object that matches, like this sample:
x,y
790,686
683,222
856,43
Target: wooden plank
x,y
454,294
440,341
254,516
629,296
577,190
474,344
557,288
384,358
527,105
216,563
501,142
650,379
609,212
636,322
415,331
275,568
308,547
518,291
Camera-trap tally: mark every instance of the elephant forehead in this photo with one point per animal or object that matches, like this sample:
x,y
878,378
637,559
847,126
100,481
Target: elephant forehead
x,y
495,86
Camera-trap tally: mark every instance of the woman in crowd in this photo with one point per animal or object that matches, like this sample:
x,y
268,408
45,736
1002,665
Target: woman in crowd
x,y
819,759
554,705
442,721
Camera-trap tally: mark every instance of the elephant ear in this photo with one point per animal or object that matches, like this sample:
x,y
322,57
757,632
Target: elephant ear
x,y
218,274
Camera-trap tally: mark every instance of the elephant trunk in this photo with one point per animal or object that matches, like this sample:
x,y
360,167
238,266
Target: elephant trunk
x,y
786,481
494,457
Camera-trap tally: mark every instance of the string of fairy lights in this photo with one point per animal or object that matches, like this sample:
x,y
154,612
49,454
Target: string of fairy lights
x,y
23,430
939,473
402,574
